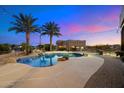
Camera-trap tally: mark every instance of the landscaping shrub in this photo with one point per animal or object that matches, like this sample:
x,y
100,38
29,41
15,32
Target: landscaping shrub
x,y
47,47
24,46
100,52
122,58
40,47
62,49
119,53
5,48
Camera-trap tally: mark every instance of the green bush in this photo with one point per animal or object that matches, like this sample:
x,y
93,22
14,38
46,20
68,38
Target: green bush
x,y
122,58
62,49
5,48
100,52
24,46
40,47
47,47
74,49
15,47
119,53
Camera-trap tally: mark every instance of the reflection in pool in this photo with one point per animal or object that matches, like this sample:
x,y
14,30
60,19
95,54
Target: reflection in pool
x,y
45,60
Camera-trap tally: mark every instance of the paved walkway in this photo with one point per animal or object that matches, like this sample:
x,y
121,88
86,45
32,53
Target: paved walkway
x,y
74,73
110,75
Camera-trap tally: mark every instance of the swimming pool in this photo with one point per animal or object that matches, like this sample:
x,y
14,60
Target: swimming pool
x,y
46,59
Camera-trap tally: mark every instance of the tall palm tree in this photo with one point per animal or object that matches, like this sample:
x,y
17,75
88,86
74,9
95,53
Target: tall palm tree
x,y
51,29
24,23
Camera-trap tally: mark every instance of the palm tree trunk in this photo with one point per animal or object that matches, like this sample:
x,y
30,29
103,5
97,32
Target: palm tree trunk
x,y
27,42
50,42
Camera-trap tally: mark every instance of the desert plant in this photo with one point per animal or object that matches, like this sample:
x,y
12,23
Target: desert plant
x,y
24,23
122,58
51,29
5,48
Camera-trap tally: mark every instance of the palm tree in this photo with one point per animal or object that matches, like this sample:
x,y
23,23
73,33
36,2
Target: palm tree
x,y
51,29
24,23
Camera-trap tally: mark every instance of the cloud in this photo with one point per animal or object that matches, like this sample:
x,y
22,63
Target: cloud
x,y
76,28
93,23
111,16
96,28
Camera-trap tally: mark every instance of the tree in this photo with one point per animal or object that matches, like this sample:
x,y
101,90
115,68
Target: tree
x,y
51,29
24,46
24,23
5,48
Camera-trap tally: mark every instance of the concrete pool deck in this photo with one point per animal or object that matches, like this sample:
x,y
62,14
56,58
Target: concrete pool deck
x,y
73,73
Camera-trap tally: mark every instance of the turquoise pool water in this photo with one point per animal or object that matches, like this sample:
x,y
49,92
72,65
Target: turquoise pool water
x,y
45,60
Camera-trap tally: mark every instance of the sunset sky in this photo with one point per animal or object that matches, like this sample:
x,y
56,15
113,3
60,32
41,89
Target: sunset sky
x,y
95,24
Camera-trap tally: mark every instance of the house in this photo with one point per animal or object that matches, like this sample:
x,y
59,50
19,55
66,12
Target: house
x,y
71,45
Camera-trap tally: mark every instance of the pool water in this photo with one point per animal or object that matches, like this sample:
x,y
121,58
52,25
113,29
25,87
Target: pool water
x,y
45,60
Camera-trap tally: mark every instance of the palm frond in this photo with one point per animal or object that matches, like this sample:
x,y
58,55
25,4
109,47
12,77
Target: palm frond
x,y
24,23
51,28
15,28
